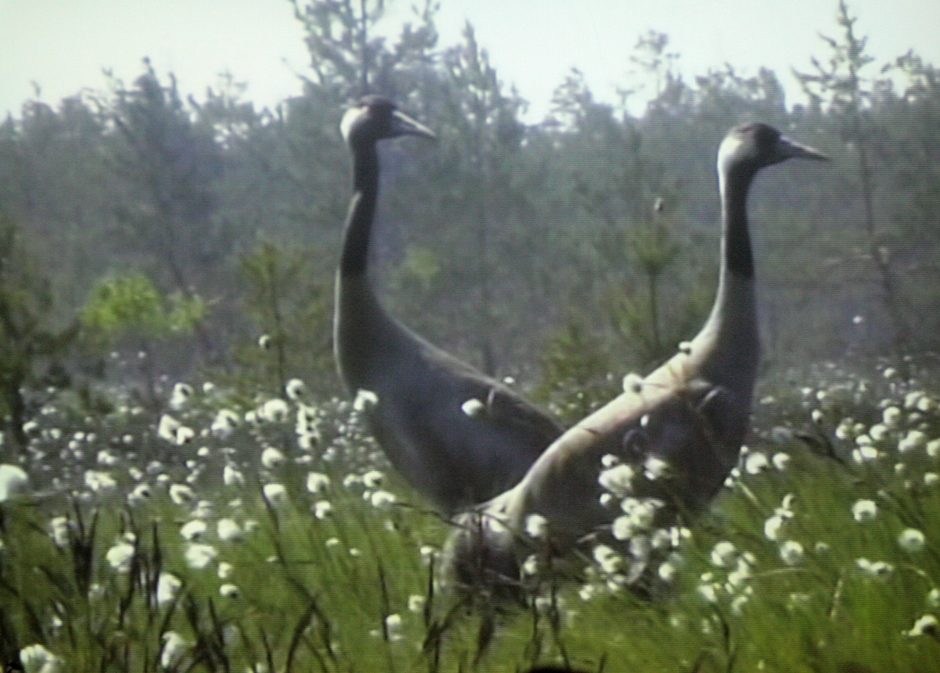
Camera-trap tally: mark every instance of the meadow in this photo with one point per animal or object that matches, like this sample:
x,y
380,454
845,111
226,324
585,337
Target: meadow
x,y
232,533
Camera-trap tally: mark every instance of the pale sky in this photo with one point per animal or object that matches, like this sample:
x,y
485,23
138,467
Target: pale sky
x,y
63,45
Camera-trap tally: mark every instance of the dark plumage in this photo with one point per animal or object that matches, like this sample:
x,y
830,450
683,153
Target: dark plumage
x,y
678,431
455,452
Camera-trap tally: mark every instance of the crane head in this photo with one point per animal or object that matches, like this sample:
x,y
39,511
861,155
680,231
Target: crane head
x,y
756,145
375,118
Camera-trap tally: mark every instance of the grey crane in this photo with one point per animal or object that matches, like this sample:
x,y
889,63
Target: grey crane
x,y
457,436
676,433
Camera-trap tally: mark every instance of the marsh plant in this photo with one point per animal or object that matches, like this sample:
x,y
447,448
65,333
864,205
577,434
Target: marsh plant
x,y
231,532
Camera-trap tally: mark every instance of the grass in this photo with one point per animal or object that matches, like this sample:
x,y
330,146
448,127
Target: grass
x,y
360,588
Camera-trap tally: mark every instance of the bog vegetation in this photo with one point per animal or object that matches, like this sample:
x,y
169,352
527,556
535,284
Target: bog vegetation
x,y
268,534
183,486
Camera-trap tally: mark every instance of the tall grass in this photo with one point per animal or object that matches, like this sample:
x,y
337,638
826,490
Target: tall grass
x,y
102,565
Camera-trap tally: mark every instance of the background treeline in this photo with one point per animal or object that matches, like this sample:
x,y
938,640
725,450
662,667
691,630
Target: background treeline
x,y
144,233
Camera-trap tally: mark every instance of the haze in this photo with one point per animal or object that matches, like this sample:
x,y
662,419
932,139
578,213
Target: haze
x,y
59,48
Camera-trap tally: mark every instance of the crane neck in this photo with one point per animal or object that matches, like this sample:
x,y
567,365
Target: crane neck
x,y
357,314
736,256
358,229
730,333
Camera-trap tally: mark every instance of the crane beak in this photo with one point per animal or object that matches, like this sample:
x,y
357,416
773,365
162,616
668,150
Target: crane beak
x,y
403,125
790,149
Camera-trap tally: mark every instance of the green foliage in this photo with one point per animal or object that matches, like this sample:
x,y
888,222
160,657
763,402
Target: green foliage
x,y
649,319
485,237
28,340
842,84
577,373
341,571
655,63
348,59
130,307
289,303
505,214
655,249
421,266
173,163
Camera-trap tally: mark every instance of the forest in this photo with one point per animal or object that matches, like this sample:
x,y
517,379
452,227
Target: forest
x,y
167,273
145,234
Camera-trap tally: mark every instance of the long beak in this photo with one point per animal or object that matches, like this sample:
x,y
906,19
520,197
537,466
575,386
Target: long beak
x,y
403,125
790,149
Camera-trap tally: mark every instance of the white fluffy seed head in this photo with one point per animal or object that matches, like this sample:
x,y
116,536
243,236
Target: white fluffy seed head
x,y
119,556
229,590
864,510
229,530
618,479
365,400
924,625
633,383
723,554
536,526
911,540
276,494
317,482
295,389
473,408
37,659
791,552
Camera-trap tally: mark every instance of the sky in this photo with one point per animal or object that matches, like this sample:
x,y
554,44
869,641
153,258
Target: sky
x,y
63,46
